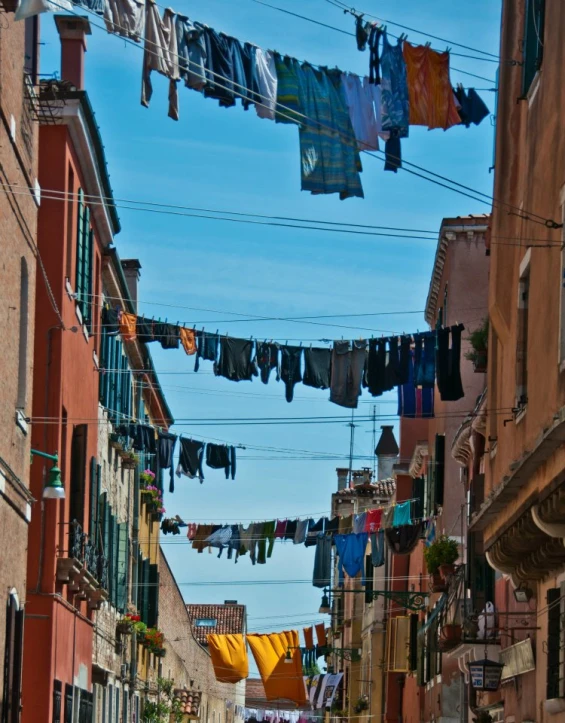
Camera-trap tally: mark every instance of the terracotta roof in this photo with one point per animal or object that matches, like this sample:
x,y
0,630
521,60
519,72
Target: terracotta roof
x,y
230,620
255,697
382,488
189,701
387,444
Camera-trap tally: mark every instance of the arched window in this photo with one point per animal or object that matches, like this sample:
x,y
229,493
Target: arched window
x,y
22,351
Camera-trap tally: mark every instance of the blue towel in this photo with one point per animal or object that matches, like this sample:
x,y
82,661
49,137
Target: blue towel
x,y
351,553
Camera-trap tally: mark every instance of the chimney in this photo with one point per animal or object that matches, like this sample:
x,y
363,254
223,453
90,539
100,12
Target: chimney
x,y
342,478
131,269
386,452
73,30
230,602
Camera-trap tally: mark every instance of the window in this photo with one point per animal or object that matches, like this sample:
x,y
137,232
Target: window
x,y
31,51
116,385
85,250
78,474
13,660
57,695
68,703
532,43
523,321
369,579
23,343
439,469
206,622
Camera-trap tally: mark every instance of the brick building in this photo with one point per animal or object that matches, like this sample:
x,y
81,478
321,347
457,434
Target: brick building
x,y
521,517
188,661
19,59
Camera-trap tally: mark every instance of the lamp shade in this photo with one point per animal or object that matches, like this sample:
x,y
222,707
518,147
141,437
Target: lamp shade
x,y
325,606
54,489
485,674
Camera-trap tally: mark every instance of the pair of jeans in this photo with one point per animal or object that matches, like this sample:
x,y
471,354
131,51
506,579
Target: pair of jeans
x,y
348,365
448,364
317,366
290,369
415,402
425,359
378,548
219,66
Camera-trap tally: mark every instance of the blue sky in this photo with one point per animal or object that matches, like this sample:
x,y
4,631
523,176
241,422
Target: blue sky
x,y
230,159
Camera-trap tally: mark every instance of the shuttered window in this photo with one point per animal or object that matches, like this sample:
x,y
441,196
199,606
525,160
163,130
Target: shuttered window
x,y
369,572
68,703
122,568
78,474
116,384
57,704
532,43
398,642
439,462
85,251
95,482
414,656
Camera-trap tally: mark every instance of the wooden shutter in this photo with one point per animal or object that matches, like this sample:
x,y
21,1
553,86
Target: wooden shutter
x,y
93,511
88,304
78,473
398,641
111,559
369,572
115,575
57,704
80,246
153,597
145,591
122,570
68,703
553,642
439,469
103,365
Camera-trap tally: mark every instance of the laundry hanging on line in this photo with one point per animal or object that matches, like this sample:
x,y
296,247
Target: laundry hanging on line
x,y
338,113
413,363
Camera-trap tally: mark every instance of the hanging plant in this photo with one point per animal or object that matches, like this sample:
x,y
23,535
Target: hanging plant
x,y
479,347
147,477
362,704
442,551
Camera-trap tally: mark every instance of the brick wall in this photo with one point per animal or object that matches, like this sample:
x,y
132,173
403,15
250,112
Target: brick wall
x,y
186,660
18,228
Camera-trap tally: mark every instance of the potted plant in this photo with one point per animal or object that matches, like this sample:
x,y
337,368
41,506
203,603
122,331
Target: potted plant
x,y
140,631
362,704
450,636
440,557
124,626
478,354
154,640
147,477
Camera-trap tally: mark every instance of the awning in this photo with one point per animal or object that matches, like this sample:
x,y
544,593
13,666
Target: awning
x,y
441,603
518,659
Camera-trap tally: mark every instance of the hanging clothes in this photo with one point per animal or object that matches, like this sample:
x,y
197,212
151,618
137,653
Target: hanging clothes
x,y
413,401
280,679
142,436
322,561
378,548
229,657
443,109
165,450
290,532
363,100
128,323
191,51
240,90
314,530
359,522
220,456
220,538
345,525
348,364
125,18
425,359
267,536
317,368
373,520
448,363
401,514
248,57
394,88
207,348
388,517
234,543
308,638
290,369
301,532
188,340
219,68
402,540
375,368
160,55
288,105
110,321
267,359
202,532
236,361
167,335
351,552
245,539
374,37
329,162
144,330
190,459
267,83
321,635
472,108
280,529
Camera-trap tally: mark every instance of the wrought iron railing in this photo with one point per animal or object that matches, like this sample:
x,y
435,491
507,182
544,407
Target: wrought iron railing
x,y
82,549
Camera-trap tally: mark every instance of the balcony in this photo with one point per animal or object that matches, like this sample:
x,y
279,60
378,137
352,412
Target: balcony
x,y
84,570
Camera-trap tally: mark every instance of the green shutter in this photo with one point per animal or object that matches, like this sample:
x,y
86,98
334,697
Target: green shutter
x,y
153,596
93,512
144,591
439,469
103,365
88,304
532,43
80,245
122,569
115,562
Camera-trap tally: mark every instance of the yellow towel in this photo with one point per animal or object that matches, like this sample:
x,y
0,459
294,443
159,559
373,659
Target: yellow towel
x,y
229,657
281,680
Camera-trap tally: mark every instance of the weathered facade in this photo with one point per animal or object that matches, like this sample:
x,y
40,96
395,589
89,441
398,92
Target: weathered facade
x,y
19,59
521,517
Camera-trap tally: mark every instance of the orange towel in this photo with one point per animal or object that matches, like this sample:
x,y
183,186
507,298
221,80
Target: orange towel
x,y
229,657
281,679
429,87
188,340
321,635
308,638
128,323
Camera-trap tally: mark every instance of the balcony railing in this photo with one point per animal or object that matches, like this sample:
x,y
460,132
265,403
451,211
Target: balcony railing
x,y
84,570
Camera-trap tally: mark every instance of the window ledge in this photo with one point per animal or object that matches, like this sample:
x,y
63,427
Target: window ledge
x,y
21,421
521,414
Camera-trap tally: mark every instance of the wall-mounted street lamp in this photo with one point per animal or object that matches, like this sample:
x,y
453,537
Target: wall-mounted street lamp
x,y
523,593
403,598
54,489
325,608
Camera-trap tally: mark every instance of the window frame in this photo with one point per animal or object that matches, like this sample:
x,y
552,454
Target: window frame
x,y
524,285
532,43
